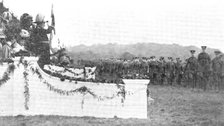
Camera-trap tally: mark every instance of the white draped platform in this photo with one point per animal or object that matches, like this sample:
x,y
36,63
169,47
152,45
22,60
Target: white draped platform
x,y
43,101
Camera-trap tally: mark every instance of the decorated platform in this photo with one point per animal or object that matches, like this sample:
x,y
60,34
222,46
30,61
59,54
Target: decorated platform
x,y
25,89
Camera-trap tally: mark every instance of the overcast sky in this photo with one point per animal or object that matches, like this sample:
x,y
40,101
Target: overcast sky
x,y
185,22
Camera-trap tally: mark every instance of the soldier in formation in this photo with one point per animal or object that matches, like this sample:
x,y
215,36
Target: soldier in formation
x,y
178,71
191,70
196,72
217,70
170,69
204,61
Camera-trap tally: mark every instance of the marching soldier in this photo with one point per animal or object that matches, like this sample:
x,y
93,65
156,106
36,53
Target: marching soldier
x,y
204,61
191,69
217,69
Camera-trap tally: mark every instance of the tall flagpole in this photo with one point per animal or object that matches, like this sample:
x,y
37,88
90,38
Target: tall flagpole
x,y
53,32
53,18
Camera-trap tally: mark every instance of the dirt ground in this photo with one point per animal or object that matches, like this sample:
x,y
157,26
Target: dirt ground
x,y
173,106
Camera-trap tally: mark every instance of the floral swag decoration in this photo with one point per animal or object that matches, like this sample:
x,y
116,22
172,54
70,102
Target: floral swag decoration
x,y
82,90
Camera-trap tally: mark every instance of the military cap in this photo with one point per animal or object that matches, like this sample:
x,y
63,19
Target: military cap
x,y
217,52
203,47
152,57
161,57
40,18
192,51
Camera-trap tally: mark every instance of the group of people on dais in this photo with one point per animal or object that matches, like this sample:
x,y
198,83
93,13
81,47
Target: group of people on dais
x,y
25,37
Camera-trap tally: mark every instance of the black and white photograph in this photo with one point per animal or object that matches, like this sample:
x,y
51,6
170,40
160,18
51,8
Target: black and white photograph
x,y
111,63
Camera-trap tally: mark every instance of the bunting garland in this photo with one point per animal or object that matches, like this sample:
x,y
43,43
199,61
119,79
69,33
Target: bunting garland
x,y
5,76
62,77
6,61
26,92
20,60
26,81
83,90
66,69
26,87
54,70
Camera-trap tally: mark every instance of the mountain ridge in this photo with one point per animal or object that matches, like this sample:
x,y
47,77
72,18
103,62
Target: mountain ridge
x,y
114,50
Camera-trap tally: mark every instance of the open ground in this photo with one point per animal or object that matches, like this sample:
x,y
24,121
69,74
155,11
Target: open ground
x,y
173,106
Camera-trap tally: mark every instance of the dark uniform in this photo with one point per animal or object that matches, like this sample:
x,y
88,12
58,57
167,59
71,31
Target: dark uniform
x,y
178,71
191,70
217,70
204,61
126,66
169,71
161,70
153,70
222,70
42,44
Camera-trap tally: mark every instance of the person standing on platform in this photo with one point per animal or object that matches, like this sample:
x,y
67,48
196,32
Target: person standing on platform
x,y
2,41
42,40
7,49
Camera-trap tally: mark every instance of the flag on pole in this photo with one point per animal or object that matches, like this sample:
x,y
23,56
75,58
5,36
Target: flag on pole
x,y
53,32
52,18
55,43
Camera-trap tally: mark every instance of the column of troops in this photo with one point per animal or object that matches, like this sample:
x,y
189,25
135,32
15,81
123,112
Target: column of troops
x,y
195,72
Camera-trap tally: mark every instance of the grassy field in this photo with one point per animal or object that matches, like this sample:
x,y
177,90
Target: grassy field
x,y
173,106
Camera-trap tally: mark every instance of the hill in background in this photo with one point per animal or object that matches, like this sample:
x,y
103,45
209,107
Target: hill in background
x,y
100,51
